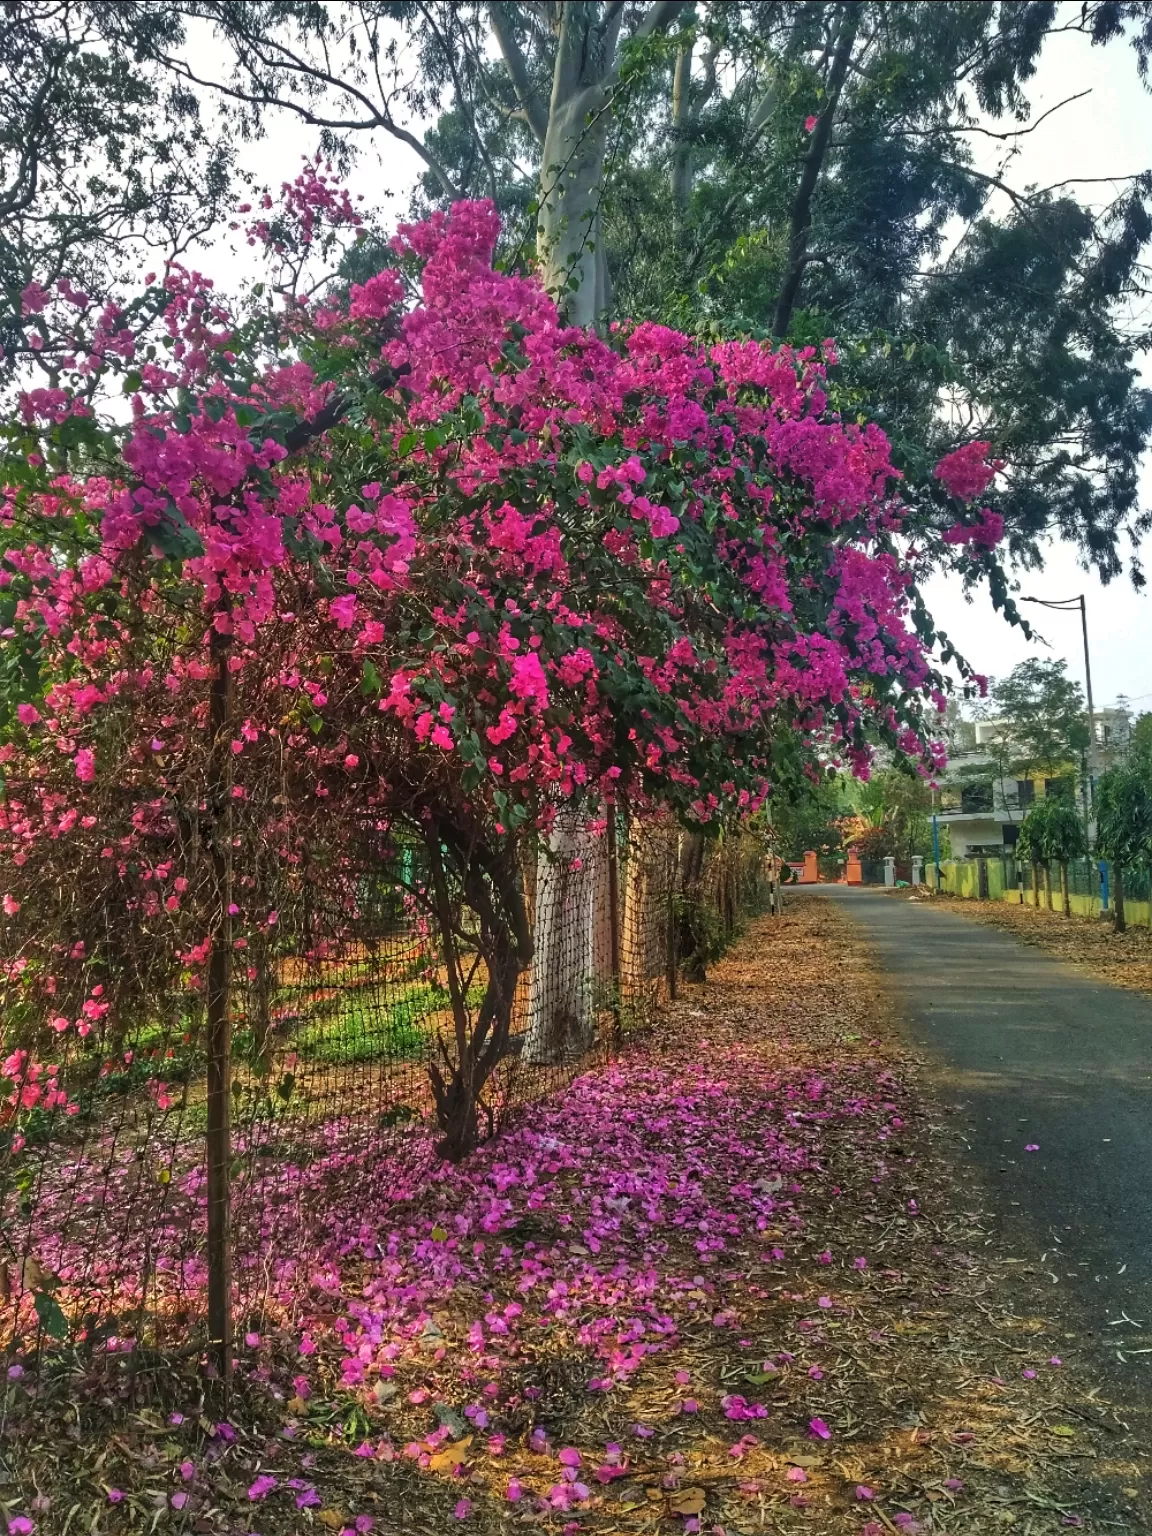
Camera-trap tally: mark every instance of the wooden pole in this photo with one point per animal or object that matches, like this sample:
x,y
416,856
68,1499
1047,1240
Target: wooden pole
x,y
219,1135
673,880
613,912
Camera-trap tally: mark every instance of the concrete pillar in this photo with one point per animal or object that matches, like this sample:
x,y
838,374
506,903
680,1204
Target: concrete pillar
x,y
889,870
917,870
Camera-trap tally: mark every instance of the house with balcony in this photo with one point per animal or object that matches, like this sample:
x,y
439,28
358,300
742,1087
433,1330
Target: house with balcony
x,y
982,804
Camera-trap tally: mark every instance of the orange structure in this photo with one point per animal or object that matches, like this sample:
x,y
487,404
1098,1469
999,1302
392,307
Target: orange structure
x,y
811,873
854,875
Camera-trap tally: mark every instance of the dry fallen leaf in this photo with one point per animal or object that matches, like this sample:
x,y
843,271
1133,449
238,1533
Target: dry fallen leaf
x,y
451,1456
332,1519
688,1501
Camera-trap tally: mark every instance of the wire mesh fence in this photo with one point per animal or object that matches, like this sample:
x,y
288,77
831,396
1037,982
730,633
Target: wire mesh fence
x,y
383,1012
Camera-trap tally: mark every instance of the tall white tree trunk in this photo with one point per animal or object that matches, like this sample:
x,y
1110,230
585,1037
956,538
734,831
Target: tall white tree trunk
x,y
569,246
572,130
560,1017
573,133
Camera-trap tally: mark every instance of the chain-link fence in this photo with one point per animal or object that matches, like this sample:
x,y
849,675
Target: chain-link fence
x,y
178,1157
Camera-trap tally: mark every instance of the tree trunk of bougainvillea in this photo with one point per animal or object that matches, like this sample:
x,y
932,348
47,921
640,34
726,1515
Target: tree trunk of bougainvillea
x,y
1064,887
488,885
692,943
636,948
1048,885
560,1023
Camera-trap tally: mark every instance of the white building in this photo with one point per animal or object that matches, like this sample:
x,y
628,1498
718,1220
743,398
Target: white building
x,y
982,804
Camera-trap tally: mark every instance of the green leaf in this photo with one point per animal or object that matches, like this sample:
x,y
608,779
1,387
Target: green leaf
x,y
52,1319
132,382
371,683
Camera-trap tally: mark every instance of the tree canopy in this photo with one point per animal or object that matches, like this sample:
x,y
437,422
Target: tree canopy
x,y
1043,718
803,170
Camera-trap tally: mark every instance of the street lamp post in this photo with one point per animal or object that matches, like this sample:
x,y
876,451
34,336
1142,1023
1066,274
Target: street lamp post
x,y
1070,605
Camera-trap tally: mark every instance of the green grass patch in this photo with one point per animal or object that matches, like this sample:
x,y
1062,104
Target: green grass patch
x,y
364,1029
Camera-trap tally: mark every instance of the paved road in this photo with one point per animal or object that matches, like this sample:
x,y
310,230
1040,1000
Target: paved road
x,y
1039,1055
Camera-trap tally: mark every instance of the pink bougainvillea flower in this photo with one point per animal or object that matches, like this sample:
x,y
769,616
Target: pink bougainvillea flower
x,y
796,1475
463,1509
263,1486
818,1429
810,122
1033,1146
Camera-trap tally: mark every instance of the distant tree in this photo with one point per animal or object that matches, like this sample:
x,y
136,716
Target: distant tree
x,y
1053,833
106,166
809,814
1124,826
1140,741
1043,718
899,804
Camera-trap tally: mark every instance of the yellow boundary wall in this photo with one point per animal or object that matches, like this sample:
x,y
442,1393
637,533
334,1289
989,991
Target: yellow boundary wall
x,y
961,878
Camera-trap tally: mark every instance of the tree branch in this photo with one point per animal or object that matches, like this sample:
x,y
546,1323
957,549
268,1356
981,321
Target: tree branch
x,y
534,110
265,96
801,221
659,17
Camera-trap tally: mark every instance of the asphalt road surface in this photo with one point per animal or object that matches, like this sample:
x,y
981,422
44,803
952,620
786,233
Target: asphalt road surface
x,y
1038,1056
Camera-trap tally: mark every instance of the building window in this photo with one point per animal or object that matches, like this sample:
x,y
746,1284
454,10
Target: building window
x,y
1058,789
1025,792
975,798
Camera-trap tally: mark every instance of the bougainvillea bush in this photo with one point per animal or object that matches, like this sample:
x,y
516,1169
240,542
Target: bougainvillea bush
x,y
407,559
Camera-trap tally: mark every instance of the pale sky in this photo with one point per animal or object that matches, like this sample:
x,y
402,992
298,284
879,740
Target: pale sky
x,y
1107,132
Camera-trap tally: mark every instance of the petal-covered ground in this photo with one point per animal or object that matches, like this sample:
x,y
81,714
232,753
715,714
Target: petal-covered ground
x,y
725,1283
